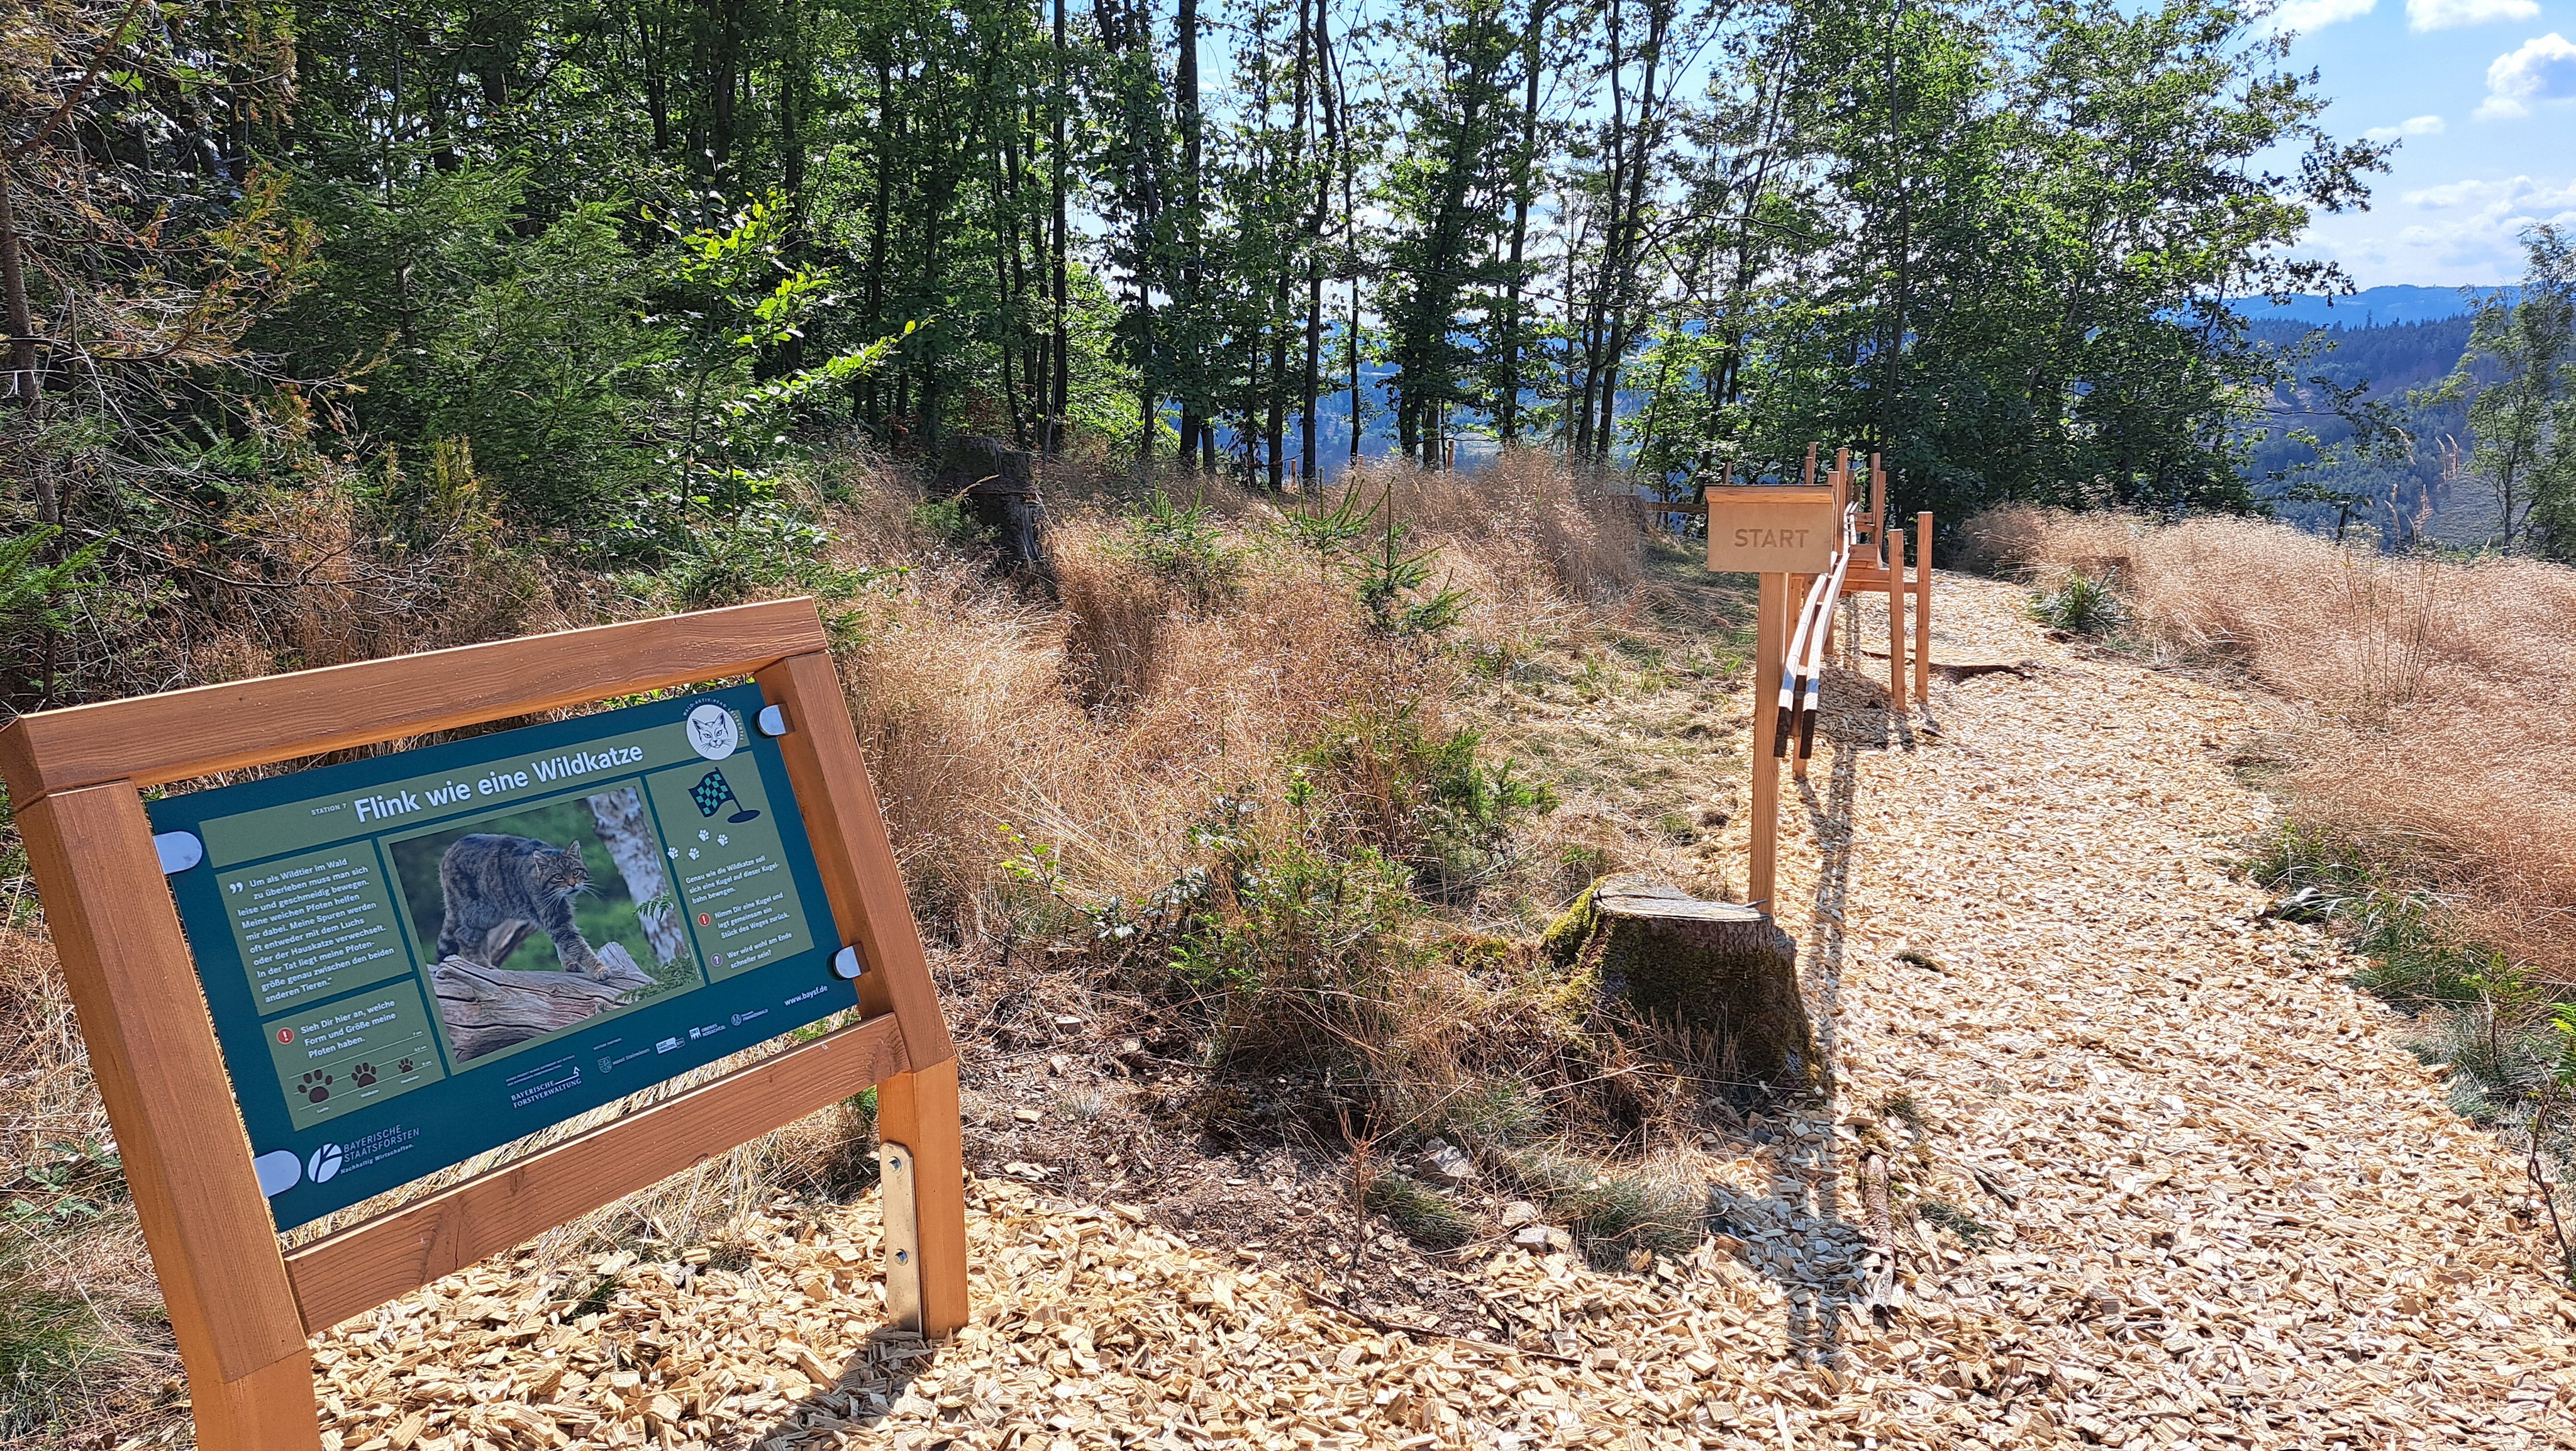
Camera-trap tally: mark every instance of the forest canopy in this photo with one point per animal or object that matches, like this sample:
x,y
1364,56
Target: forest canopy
x,y
297,281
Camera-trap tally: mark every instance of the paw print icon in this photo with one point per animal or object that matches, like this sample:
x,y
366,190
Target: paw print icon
x,y
723,840
316,1086
405,1066
364,1075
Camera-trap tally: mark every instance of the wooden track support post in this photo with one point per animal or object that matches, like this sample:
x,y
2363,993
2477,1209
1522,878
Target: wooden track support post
x,y
1891,549
1771,641
1923,608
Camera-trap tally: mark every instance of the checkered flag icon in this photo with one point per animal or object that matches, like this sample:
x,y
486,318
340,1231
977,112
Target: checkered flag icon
x,y
711,793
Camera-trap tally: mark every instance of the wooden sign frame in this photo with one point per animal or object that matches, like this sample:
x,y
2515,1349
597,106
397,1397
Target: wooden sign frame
x,y
243,1311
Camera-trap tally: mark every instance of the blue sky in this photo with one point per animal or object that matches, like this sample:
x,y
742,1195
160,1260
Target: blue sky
x,y
2483,94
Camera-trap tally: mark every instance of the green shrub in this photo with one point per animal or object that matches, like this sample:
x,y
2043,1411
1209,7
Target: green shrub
x,y
1419,795
1419,1211
2081,605
1304,953
1184,548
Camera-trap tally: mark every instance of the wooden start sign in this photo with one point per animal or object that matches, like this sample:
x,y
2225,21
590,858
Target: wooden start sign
x,y
399,962
1772,529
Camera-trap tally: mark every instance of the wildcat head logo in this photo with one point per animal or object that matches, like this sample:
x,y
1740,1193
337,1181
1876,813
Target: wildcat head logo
x,y
324,1165
712,733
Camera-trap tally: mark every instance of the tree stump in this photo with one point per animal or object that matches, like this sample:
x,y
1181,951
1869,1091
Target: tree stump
x,y
487,1009
1711,966
994,485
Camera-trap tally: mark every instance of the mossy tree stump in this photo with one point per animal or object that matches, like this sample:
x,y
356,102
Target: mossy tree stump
x,y
1712,966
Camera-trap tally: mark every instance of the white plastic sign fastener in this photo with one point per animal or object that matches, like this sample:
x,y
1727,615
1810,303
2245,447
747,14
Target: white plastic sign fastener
x,y
179,851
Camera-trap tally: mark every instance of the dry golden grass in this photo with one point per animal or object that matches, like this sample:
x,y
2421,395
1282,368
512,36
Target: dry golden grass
x,y
2431,702
1102,728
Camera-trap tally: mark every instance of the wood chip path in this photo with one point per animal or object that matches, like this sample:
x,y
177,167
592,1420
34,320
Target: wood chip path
x,y
2157,1177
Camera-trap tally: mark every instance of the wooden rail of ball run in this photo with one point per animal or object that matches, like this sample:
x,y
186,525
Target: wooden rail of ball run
x,y
1813,543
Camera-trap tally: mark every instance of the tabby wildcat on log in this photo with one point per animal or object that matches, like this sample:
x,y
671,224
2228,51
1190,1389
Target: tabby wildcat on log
x,y
492,881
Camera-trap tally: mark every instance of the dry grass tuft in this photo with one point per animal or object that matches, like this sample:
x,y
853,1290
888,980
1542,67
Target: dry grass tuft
x,y
2432,701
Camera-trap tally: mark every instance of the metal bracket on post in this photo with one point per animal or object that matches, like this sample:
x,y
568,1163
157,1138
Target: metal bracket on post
x,y
902,1237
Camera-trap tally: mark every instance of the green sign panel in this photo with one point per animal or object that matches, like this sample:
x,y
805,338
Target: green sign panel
x,y
416,958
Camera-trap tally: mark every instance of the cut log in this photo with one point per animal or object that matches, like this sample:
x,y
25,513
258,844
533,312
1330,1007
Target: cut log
x,y
487,1009
1713,966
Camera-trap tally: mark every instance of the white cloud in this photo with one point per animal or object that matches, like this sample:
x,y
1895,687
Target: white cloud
x,y
2415,126
2542,70
2461,233
2307,16
2469,230
2444,14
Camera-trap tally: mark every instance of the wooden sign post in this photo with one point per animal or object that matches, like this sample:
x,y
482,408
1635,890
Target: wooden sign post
x,y
1773,532
1810,544
241,1310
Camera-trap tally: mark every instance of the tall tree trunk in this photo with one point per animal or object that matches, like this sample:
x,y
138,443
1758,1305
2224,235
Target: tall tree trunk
x,y
1059,398
1507,401
1195,429
1278,430
1899,259
724,81
881,211
1308,469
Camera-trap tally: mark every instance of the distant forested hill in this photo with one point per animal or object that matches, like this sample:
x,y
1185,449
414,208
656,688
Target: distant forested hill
x,y
2373,307
2405,498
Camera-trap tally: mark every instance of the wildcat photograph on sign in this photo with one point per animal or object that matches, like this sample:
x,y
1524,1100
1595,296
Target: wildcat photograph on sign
x,y
574,887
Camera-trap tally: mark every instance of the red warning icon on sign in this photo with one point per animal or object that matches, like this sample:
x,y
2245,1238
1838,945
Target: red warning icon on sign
x,y
706,920
286,1035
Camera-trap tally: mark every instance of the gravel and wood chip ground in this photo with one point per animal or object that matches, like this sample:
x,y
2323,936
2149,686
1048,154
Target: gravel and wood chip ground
x,y
2152,1173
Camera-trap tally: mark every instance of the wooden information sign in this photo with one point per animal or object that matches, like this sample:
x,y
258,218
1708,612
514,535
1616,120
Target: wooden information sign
x,y
1772,529
399,962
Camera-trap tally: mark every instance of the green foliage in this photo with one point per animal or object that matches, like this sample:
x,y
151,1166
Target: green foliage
x,y
38,585
2519,377
1421,1212
2413,960
74,1187
1185,548
1418,795
2081,605
1392,582
1328,531
47,1342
